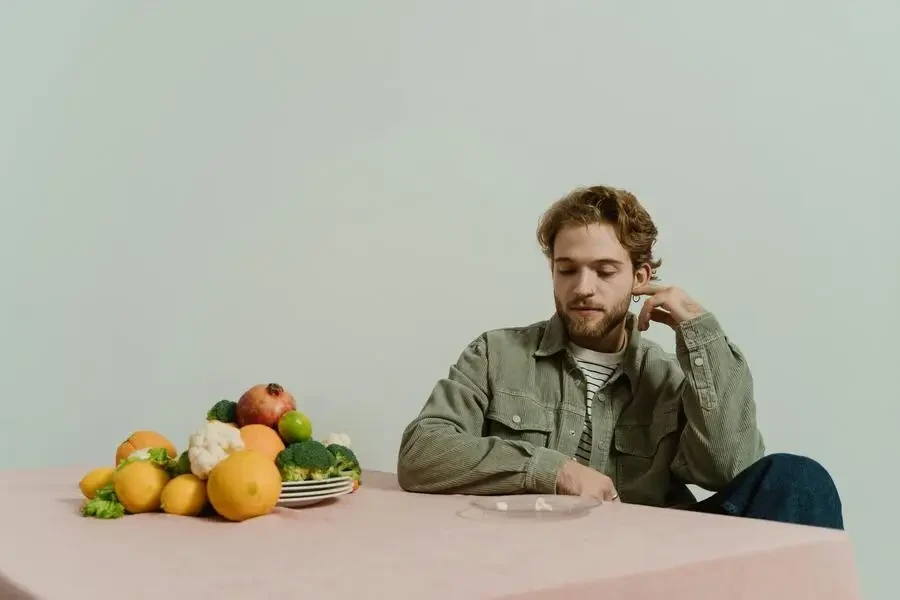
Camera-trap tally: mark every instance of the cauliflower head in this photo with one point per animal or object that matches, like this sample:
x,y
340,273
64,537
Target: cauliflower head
x,y
210,445
341,439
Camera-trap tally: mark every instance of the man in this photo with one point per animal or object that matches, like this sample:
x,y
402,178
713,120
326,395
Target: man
x,y
582,405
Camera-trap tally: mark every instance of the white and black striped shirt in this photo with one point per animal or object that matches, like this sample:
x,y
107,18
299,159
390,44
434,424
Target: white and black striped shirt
x,y
597,368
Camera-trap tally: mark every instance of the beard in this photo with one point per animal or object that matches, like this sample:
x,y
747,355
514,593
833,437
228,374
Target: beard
x,y
594,329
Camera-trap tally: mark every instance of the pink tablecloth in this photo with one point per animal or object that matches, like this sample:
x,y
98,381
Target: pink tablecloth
x,y
385,543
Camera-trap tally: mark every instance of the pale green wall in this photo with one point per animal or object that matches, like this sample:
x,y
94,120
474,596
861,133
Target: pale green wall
x,y
169,172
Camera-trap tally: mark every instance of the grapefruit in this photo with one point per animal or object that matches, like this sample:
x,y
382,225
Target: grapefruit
x,y
245,485
139,440
139,486
262,439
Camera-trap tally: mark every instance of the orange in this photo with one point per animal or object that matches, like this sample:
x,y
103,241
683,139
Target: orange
x,y
294,426
263,439
139,440
139,486
243,486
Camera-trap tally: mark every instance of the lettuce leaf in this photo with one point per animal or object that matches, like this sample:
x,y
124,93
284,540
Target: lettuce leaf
x,y
104,505
158,456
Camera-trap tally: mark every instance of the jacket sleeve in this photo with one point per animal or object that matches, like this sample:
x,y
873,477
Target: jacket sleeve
x,y
721,437
444,450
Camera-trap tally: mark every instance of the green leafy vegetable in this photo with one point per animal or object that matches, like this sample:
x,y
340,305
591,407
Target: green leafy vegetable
x,y
346,463
158,456
104,505
182,466
224,411
307,460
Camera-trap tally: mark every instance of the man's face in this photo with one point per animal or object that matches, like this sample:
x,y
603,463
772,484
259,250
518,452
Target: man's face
x,y
592,281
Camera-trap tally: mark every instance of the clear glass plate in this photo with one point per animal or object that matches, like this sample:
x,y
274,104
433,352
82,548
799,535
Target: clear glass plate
x,y
535,506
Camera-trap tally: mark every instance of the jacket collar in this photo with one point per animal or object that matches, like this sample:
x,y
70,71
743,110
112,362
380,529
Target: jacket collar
x,y
555,340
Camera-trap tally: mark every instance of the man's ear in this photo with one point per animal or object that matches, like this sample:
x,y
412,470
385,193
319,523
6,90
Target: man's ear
x,y
642,275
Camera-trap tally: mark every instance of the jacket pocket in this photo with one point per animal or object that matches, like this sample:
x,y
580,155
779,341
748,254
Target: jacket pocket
x,y
643,440
520,417
644,453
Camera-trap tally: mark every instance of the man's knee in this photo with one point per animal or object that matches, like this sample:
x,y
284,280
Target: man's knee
x,y
799,473
787,488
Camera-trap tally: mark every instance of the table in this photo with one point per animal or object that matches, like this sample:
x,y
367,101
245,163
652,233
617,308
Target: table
x,y
382,542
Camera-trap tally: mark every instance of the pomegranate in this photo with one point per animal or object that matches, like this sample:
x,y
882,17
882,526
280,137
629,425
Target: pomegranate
x,y
264,405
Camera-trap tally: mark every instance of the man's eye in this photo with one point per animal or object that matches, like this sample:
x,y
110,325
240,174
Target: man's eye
x,y
565,271
606,273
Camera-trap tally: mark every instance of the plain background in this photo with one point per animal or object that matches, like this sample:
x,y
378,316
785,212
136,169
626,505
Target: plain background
x,y
197,197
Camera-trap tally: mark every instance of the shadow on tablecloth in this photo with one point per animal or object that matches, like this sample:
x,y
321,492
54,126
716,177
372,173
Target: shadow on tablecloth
x,y
9,591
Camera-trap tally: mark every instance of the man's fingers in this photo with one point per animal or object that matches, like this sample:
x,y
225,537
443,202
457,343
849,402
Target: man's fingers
x,y
606,494
650,305
662,316
648,289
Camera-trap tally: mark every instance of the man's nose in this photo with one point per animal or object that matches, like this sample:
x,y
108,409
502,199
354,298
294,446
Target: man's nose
x,y
584,285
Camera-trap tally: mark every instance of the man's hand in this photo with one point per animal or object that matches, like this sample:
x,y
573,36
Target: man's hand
x,y
574,479
666,304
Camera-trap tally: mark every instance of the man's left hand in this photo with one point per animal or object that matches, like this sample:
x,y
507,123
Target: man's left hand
x,y
665,304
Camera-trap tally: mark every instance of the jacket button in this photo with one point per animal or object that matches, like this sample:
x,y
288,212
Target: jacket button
x,y
517,419
698,361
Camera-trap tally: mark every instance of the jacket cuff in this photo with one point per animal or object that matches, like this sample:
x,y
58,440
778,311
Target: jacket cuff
x,y
542,470
699,331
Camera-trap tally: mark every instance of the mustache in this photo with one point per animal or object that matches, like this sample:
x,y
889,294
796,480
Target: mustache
x,y
580,306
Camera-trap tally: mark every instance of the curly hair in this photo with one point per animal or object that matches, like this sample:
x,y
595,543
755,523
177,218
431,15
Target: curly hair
x,y
600,204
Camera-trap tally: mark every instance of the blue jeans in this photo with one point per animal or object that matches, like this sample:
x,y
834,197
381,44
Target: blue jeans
x,y
780,487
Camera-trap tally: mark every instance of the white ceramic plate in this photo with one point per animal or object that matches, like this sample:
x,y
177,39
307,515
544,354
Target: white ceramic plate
x,y
301,502
314,493
535,506
316,484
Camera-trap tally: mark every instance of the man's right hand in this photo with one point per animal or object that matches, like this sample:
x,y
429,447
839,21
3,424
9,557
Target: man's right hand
x,y
575,479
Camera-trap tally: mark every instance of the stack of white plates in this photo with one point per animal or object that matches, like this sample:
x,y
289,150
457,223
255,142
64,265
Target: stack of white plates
x,y
295,494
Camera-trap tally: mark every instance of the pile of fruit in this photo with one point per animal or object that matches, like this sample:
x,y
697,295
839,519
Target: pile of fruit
x,y
234,464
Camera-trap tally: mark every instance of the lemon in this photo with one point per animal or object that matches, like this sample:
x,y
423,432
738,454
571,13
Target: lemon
x,y
139,486
94,480
185,495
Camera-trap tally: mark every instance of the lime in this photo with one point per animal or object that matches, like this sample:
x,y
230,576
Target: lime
x,y
294,426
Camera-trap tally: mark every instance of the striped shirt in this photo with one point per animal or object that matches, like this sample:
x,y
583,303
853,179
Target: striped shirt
x,y
597,368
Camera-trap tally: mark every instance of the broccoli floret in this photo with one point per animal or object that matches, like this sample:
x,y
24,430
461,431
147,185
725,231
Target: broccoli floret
x,y
355,473
302,461
224,411
346,463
